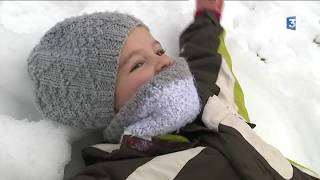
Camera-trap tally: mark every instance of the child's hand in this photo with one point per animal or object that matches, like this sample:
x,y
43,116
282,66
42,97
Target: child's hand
x,y
212,5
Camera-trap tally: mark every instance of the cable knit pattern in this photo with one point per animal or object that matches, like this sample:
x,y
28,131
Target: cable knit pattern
x,y
164,104
74,68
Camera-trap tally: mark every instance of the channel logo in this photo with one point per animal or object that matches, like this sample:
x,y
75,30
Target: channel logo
x,y
291,23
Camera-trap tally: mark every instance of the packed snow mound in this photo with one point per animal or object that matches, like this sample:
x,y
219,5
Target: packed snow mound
x,y
33,150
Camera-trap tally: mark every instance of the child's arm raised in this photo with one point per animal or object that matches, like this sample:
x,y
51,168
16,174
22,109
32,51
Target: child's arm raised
x,y
199,44
202,44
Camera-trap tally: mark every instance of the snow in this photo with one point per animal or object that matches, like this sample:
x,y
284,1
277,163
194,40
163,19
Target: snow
x,y
281,91
30,150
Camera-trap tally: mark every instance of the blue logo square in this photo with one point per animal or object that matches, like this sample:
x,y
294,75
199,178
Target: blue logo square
x,y
291,22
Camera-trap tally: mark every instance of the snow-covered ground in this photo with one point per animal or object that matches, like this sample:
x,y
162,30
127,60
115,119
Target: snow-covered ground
x,y
281,91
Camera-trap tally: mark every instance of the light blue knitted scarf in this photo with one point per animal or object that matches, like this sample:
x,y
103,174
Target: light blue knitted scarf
x,y
164,104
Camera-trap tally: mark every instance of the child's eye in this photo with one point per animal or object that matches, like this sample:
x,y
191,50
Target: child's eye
x,y
136,66
161,52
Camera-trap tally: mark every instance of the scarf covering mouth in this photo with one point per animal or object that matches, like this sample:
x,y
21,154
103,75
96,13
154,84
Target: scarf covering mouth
x,y
164,104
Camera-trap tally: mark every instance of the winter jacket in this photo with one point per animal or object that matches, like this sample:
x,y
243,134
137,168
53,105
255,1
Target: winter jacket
x,y
219,144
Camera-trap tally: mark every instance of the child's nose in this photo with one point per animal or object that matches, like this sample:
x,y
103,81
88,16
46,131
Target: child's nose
x,y
163,63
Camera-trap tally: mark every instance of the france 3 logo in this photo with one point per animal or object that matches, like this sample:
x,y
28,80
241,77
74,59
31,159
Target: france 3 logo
x,y
291,23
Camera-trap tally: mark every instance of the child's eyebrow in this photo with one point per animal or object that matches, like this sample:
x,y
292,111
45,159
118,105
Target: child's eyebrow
x,y
126,59
133,53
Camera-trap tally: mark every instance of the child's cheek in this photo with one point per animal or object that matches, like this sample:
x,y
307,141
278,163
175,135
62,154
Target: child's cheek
x,y
138,79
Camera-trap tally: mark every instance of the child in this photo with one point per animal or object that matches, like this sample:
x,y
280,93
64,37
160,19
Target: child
x,y
105,70
84,78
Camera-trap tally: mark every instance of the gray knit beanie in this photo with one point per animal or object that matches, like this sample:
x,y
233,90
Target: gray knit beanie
x,y
74,68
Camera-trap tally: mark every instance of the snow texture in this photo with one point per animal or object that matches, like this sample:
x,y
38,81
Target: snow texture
x,y
277,68
32,150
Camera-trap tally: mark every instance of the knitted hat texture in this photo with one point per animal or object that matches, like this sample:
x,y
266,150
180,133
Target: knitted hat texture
x,y
74,68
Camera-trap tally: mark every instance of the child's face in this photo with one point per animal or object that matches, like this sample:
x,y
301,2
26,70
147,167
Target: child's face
x,y
141,58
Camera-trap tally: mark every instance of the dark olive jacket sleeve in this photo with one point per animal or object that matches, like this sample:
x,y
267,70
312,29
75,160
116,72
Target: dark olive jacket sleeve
x,y
199,44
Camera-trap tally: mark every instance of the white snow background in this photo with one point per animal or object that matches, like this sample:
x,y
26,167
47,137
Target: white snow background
x,y
281,92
